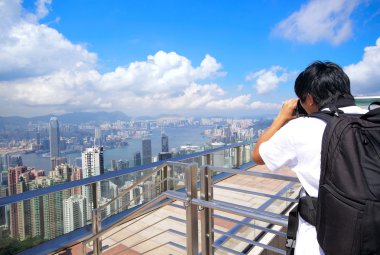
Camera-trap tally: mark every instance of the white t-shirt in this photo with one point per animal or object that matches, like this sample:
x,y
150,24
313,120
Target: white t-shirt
x,y
298,145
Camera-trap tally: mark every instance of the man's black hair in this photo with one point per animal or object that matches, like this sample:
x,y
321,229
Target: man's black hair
x,y
326,82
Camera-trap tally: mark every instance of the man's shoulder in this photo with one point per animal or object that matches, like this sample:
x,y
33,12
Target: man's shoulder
x,y
303,125
305,121
354,110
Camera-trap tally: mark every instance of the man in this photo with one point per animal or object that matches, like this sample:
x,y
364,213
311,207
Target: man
x,y
296,142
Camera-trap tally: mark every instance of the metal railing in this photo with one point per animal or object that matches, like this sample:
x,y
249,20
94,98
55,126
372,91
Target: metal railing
x,y
206,205
46,204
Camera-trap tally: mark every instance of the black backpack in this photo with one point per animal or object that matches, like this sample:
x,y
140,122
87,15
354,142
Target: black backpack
x,y
346,213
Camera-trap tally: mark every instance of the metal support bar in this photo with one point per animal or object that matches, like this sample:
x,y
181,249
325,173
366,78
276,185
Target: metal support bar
x,y
238,157
207,159
164,179
191,210
97,244
257,174
279,220
96,227
207,219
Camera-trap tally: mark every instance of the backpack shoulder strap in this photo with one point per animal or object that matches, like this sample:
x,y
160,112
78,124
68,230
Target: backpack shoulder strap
x,y
372,115
374,105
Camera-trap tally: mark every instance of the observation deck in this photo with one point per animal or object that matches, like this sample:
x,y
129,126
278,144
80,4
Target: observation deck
x,y
211,202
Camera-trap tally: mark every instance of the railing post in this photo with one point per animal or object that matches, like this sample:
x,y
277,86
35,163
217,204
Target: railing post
x,y
97,244
208,159
207,220
96,227
164,179
238,157
191,210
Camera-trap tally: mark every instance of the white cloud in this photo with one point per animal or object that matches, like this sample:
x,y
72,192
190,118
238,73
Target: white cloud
x,y
258,105
268,80
42,72
319,20
30,49
240,102
162,72
365,75
42,8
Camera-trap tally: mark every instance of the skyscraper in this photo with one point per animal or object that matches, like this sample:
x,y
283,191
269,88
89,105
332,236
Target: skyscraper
x,y
54,138
137,158
14,160
164,143
16,185
146,151
92,164
97,137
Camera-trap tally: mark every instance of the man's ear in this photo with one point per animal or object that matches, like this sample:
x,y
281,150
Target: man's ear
x,y
311,104
309,100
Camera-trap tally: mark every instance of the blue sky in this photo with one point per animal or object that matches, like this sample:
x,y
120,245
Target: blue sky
x,y
234,58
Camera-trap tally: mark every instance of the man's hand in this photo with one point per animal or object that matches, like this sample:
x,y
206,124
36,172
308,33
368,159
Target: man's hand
x,y
287,111
285,114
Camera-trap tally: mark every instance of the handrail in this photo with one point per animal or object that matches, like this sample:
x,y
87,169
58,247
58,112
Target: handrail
x,y
246,213
149,205
106,176
192,204
257,174
178,196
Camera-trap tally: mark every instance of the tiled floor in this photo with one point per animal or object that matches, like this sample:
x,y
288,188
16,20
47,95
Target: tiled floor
x,y
160,232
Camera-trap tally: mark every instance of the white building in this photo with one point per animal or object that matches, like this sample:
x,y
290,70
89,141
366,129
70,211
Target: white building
x,y
74,213
92,165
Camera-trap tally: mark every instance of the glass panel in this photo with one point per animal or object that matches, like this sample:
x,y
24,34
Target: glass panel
x,y
30,222
117,194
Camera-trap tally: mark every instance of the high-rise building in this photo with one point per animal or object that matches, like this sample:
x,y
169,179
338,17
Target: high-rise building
x,y
164,155
75,213
164,143
38,138
14,160
62,172
92,161
56,161
46,212
97,137
146,151
53,213
76,175
149,190
54,138
113,164
137,158
16,185
122,164
92,165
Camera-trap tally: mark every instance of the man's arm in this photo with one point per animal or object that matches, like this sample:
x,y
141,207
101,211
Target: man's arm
x,y
285,114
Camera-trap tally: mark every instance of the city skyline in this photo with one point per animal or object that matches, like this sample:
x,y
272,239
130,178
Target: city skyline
x,y
196,58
